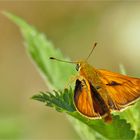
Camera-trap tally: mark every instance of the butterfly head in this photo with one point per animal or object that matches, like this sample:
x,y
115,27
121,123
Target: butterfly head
x,y
81,64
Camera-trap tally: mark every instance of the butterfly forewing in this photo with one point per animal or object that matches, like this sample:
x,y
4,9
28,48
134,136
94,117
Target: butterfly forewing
x,y
123,90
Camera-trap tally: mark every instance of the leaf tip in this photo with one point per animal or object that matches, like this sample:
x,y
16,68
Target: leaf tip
x,y
7,14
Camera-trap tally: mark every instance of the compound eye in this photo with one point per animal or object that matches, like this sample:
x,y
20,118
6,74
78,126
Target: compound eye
x,y
77,67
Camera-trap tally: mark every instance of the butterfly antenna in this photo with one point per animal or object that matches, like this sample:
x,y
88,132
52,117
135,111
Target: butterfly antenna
x,y
52,58
95,44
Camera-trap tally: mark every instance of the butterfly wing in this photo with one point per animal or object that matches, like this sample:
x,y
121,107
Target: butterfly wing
x,y
89,102
123,90
83,99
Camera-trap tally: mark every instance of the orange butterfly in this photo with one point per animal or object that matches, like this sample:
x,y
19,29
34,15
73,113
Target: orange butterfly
x,y
99,92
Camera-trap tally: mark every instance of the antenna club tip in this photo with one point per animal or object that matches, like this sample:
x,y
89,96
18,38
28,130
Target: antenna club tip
x,y
95,43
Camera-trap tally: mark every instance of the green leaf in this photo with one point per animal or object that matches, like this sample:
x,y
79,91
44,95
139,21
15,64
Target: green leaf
x,y
57,74
41,49
63,101
118,129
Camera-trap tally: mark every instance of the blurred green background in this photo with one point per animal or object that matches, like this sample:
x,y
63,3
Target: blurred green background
x,y
73,27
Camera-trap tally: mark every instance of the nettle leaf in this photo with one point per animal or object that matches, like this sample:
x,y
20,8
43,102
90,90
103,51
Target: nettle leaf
x,y
41,49
118,129
57,74
63,102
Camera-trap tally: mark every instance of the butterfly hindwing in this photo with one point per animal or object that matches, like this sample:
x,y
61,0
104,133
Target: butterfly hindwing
x,y
83,100
89,102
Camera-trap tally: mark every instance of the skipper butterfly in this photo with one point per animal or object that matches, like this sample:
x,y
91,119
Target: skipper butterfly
x,y
98,92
